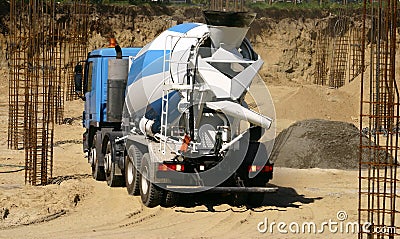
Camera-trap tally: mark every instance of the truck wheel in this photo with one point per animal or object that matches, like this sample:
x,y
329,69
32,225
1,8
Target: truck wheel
x,y
239,199
97,170
132,167
150,194
170,199
109,166
256,199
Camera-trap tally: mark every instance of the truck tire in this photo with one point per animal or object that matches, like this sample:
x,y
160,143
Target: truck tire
x,y
132,171
109,166
170,199
256,199
97,170
150,194
238,199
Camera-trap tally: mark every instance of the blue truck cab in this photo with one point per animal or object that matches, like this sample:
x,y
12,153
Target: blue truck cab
x,y
102,126
95,84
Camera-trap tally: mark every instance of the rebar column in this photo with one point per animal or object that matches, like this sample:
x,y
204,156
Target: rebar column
x,y
58,45
322,56
378,180
18,85
42,80
77,43
355,53
337,74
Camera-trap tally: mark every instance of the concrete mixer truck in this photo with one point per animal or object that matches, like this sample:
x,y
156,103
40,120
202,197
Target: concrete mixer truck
x,y
171,118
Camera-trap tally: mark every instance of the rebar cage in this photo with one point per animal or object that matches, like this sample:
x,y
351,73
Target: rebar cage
x,y
43,45
378,214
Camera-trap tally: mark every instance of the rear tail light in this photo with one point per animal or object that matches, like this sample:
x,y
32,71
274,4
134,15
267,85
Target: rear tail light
x,y
264,169
174,167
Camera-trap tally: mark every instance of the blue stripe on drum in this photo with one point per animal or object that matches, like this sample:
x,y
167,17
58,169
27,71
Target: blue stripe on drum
x,y
150,63
183,28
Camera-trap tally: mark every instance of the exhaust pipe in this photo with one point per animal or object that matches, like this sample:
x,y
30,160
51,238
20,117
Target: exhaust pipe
x,y
117,76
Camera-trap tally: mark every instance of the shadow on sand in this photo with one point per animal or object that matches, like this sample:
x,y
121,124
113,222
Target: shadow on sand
x,y
284,198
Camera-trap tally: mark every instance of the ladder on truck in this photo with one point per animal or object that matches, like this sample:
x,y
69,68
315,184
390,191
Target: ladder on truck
x,y
165,99
169,85
167,89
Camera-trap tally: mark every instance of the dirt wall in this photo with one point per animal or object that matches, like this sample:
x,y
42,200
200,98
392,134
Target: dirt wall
x,y
283,38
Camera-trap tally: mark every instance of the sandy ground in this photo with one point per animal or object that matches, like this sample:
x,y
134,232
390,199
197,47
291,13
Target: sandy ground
x,y
304,195
83,208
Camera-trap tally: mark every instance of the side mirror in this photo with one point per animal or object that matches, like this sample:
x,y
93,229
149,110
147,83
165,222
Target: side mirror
x,y
78,76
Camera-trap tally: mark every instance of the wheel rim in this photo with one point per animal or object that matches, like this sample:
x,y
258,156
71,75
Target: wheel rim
x,y
144,182
107,163
93,157
130,172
